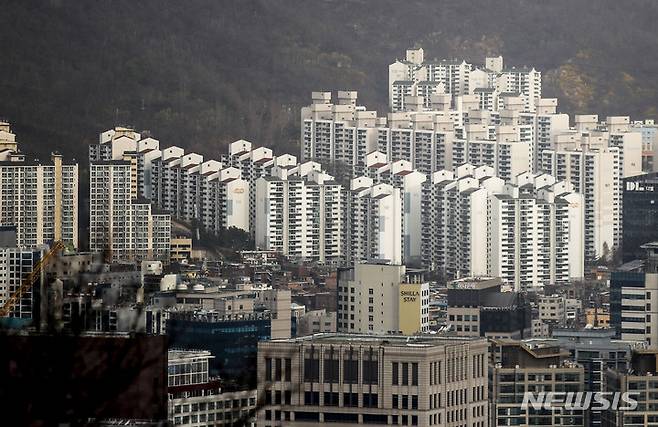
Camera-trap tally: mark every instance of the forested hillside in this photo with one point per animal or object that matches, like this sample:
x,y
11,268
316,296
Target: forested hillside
x,y
201,73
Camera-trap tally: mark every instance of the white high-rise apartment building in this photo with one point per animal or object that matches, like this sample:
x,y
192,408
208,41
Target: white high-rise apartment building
x,y
298,212
338,133
123,143
122,227
384,212
414,76
41,200
595,173
528,232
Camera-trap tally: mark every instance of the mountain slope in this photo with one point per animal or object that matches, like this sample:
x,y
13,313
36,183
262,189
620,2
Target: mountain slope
x,y
202,73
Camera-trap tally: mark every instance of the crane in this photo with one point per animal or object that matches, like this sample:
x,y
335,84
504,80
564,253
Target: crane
x,y
28,282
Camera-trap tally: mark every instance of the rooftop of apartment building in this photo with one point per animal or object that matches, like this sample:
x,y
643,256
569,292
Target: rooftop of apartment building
x,y
531,353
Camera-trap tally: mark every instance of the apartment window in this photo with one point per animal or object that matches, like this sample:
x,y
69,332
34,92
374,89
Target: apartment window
x,y
370,400
405,374
414,402
311,398
405,402
395,401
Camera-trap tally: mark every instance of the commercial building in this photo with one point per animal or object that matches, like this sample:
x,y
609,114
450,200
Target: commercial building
x,y
7,138
597,351
634,299
121,226
638,380
371,380
41,200
196,399
478,308
532,366
640,214
382,299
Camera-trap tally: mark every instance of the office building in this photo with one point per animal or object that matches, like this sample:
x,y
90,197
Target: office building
x,y
597,351
639,381
41,200
634,299
532,366
640,214
372,380
382,299
122,227
478,308
196,399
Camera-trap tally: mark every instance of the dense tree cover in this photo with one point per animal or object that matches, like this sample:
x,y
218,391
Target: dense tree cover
x,y
201,73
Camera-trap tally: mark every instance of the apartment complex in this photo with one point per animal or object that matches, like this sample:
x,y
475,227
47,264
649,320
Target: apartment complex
x,y
40,199
533,227
532,366
299,213
415,76
123,227
371,380
382,299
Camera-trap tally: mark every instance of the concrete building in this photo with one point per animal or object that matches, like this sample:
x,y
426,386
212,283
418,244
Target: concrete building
x,y
7,138
533,228
639,381
382,299
16,264
299,213
478,308
634,299
532,366
195,399
596,175
372,380
640,214
41,200
120,226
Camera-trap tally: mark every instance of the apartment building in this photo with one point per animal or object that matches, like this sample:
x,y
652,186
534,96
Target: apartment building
x,y
382,299
532,366
533,228
16,264
120,226
299,213
372,380
40,199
